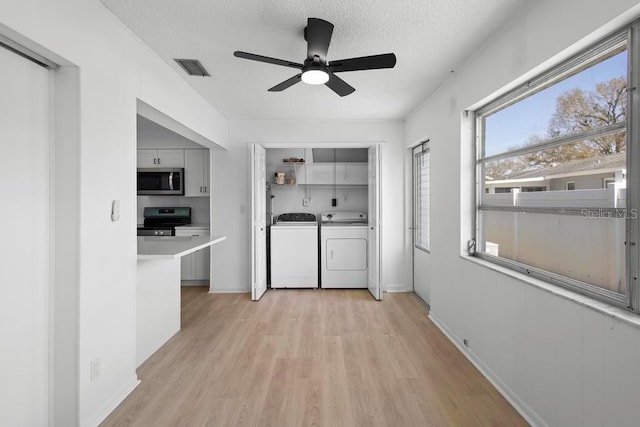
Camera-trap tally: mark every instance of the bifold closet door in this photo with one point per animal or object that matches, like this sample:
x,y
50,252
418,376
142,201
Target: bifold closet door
x,y
24,252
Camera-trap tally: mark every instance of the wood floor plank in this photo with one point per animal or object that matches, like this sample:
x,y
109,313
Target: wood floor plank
x,y
309,358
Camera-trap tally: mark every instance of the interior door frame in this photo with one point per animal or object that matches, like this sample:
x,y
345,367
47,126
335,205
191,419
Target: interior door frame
x,y
331,144
411,211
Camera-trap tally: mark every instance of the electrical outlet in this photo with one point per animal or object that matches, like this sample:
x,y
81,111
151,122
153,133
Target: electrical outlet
x,y
96,368
305,202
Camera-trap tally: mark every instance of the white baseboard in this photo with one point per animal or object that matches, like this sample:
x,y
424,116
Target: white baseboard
x,y
108,407
398,288
520,405
229,291
189,283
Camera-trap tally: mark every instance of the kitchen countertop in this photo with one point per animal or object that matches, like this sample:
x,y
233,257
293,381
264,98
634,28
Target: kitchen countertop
x,y
172,247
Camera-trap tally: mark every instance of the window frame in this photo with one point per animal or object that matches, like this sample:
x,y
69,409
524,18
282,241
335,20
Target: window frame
x,y
420,149
627,35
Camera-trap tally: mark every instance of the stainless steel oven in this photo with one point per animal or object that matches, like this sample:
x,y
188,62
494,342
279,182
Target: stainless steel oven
x,y
163,221
161,181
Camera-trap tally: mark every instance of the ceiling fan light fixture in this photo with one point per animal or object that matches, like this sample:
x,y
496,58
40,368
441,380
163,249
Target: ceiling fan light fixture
x,y
315,77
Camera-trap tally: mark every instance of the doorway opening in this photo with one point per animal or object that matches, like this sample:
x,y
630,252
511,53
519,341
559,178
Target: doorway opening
x,y
297,192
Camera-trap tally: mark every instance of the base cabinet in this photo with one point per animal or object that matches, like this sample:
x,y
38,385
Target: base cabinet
x,y
195,266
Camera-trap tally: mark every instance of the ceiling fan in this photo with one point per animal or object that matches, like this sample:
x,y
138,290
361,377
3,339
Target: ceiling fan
x,y
316,70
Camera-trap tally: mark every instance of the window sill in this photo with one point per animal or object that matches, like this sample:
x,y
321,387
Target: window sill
x,y
585,301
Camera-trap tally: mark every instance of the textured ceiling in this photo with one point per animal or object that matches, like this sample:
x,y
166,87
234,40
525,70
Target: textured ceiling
x,y
429,37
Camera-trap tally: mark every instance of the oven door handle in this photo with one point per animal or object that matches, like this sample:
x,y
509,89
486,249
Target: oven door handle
x,y
171,181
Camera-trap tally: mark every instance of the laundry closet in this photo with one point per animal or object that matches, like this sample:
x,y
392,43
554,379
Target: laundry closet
x,y
317,203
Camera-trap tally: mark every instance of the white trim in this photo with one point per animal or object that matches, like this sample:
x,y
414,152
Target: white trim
x,y
230,291
317,144
148,112
398,288
104,410
512,397
614,312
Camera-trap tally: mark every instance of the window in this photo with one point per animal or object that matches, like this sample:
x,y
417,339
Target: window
x,y
422,196
567,128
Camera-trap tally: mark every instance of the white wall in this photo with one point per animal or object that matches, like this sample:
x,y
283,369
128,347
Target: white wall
x,y
114,70
561,362
231,268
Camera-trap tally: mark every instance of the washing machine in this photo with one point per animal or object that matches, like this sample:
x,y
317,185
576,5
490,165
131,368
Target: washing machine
x,y
343,250
294,251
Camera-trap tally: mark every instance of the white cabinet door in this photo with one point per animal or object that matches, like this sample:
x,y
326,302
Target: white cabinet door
x,y
147,158
194,266
357,173
186,267
196,173
193,172
319,173
171,158
206,175
353,173
151,158
201,264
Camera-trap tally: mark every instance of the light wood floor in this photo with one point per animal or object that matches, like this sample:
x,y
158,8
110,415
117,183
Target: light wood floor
x,y
310,357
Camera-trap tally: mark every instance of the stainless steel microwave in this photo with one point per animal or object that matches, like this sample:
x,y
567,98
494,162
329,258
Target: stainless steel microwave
x,y
161,181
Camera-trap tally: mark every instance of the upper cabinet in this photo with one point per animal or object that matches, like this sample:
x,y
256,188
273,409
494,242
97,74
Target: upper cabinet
x,y
160,158
196,173
355,173
350,173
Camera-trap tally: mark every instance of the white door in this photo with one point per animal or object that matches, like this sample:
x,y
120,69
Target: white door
x,y
24,253
374,279
421,160
258,222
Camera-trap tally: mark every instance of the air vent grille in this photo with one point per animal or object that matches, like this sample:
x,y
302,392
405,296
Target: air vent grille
x,y
193,67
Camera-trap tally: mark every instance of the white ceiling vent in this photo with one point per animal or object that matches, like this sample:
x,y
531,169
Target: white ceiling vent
x,y
193,67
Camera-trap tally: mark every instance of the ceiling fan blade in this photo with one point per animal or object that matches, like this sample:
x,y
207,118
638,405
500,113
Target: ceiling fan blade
x,y
373,62
318,35
339,86
286,84
260,58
